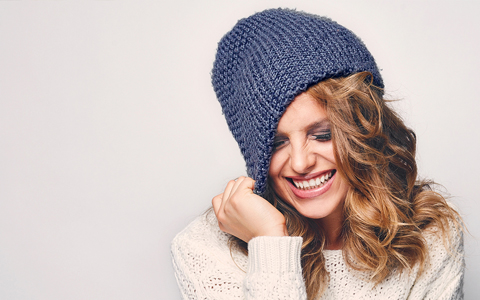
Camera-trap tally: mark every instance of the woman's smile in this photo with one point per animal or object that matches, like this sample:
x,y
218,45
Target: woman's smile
x,y
313,185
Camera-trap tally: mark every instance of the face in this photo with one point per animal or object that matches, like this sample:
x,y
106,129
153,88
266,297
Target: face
x,y
303,168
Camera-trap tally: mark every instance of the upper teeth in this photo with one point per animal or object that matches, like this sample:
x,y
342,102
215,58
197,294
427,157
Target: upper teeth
x,y
314,182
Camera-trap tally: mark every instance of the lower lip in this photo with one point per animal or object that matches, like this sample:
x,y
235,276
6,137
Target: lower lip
x,y
305,194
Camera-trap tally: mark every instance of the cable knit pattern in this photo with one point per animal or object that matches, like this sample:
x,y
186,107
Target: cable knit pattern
x,y
206,269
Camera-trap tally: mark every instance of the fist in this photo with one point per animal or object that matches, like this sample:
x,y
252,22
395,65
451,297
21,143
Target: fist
x,y
246,215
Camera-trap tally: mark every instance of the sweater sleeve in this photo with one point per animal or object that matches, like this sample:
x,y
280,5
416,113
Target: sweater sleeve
x,y
442,278
274,269
205,268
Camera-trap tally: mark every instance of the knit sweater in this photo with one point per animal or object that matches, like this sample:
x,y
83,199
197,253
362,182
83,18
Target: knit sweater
x,y
206,268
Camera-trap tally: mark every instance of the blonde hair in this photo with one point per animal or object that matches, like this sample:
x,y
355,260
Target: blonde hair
x,y
386,208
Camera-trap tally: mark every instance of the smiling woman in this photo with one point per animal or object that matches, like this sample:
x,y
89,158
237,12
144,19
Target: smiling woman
x,y
332,207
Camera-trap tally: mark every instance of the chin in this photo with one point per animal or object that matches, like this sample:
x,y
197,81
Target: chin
x,y
315,212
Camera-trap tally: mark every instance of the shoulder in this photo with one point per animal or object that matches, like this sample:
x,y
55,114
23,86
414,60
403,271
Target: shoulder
x,y
442,276
445,245
203,230
202,235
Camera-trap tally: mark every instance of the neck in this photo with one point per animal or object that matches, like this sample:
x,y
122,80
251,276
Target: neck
x,y
332,232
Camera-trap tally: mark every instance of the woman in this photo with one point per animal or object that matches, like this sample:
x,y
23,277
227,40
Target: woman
x,y
332,207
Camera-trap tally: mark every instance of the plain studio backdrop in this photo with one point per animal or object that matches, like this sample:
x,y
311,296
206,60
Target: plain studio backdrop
x,y
112,140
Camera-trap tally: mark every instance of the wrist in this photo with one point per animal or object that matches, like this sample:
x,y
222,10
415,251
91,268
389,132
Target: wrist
x,y
277,231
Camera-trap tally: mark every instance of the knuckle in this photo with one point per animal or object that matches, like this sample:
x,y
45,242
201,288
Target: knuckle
x,y
228,209
215,203
233,204
221,217
232,207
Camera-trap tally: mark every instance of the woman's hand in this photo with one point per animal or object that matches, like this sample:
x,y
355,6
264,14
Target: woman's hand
x,y
246,215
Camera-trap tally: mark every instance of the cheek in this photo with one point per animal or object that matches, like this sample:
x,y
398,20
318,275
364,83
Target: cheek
x,y
275,165
343,186
327,152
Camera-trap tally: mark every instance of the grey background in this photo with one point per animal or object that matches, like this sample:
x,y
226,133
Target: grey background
x,y
111,139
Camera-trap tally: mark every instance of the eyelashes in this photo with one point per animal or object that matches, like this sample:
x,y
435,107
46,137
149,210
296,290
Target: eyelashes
x,y
323,137
278,144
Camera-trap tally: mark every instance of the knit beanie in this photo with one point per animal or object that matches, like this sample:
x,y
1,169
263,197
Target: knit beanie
x,y
269,58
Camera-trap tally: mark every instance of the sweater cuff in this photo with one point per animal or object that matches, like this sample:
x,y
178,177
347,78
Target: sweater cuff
x,y
274,254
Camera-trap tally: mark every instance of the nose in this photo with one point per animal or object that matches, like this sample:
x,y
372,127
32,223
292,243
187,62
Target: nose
x,y
302,160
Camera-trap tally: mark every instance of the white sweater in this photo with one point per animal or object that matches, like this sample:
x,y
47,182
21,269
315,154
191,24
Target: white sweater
x,y
205,268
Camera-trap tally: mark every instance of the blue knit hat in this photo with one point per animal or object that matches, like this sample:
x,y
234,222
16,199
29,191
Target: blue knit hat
x,y
269,58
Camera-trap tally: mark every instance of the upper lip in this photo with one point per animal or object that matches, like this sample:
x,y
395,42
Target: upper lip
x,y
309,176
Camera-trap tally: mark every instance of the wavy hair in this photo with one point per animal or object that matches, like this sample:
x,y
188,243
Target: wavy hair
x,y
387,207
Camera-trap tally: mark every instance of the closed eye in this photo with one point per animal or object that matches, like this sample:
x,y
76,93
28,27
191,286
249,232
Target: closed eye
x,y
278,144
323,137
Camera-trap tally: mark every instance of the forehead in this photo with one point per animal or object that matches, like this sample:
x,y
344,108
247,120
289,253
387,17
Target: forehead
x,y
302,114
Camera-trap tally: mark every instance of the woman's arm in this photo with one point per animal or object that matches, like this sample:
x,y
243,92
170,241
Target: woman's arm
x,y
205,267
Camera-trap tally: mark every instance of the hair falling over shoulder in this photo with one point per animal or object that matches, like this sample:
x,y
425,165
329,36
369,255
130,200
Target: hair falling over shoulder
x,y
387,207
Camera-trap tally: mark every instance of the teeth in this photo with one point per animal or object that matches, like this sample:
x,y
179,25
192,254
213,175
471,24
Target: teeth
x,y
313,183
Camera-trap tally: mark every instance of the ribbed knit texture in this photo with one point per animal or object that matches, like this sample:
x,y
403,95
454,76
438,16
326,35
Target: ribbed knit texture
x,y
271,262
271,253
205,268
269,58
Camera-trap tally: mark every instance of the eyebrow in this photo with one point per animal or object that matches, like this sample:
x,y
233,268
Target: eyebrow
x,y
322,124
